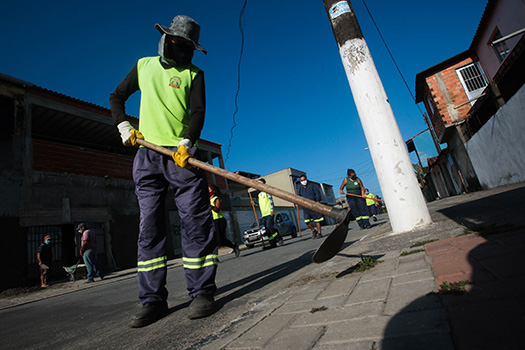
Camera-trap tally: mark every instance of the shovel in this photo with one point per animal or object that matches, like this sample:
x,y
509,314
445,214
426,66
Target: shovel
x,y
331,245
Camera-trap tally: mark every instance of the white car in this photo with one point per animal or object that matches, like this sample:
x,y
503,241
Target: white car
x,y
282,222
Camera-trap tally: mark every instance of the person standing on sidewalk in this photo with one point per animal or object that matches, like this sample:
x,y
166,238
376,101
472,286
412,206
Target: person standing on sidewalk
x,y
88,250
354,186
44,256
219,221
266,208
172,109
310,191
371,204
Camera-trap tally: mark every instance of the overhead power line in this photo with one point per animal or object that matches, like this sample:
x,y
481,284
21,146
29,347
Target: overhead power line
x,y
392,56
241,28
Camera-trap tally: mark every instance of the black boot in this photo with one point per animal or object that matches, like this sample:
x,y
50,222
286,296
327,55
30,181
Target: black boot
x,y
202,305
150,312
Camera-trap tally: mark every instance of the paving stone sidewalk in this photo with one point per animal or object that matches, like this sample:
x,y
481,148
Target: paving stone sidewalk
x,y
400,303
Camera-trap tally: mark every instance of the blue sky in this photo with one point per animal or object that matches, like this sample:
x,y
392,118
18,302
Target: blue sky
x,y
295,107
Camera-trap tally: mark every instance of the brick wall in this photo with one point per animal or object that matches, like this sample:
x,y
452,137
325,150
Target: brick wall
x,y
63,158
447,92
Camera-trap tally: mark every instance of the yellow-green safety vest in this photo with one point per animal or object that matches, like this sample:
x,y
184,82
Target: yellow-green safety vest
x,y
265,205
370,202
215,214
164,102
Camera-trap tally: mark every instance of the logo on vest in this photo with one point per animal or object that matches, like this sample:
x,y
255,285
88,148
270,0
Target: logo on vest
x,y
175,82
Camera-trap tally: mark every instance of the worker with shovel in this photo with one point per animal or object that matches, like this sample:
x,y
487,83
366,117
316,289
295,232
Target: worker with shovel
x,y
355,196
266,207
172,115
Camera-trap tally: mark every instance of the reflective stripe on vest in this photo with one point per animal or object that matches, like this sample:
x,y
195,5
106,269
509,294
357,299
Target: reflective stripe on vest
x,y
153,264
215,214
199,263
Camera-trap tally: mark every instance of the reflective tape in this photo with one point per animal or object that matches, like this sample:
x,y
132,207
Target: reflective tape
x,y
273,236
199,263
153,264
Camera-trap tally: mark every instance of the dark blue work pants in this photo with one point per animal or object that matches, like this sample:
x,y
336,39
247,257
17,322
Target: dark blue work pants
x,y
359,210
153,173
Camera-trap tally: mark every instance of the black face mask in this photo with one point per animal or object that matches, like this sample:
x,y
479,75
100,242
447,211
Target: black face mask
x,y
181,54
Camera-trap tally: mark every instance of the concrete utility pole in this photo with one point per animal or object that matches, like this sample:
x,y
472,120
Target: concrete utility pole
x,y
406,205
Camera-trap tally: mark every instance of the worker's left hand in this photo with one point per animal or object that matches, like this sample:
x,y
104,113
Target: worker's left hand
x,y
181,157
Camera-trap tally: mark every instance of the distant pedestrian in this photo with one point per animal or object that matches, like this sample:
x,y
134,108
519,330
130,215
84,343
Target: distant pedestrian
x,y
219,221
310,191
371,204
88,250
354,187
267,211
44,257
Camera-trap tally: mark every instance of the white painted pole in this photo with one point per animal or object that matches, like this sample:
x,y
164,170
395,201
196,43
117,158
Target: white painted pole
x,y
406,205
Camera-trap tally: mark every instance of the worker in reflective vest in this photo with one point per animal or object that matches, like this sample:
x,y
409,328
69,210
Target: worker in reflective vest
x,y
266,207
219,221
357,205
371,204
172,111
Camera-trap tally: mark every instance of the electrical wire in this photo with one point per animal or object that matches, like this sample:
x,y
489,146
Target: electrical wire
x,y
392,56
241,28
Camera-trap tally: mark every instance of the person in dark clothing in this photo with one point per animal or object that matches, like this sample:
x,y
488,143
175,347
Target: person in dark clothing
x,y
310,191
219,221
44,257
355,193
172,109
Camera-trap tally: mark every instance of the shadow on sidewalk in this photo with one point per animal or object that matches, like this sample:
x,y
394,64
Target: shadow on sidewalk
x,y
501,208
487,313
261,279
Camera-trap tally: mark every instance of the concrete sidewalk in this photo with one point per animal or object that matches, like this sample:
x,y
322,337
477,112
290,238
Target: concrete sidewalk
x,y
408,300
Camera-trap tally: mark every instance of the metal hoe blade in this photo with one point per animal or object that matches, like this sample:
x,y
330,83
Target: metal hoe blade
x,y
333,243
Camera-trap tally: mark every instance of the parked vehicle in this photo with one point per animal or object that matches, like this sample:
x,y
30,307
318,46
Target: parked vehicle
x,y
282,222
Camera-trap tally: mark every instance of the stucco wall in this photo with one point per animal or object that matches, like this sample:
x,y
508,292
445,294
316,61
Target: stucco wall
x,y
497,151
507,17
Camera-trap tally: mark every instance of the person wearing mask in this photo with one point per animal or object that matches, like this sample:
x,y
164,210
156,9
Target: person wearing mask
x,y
219,221
88,250
172,109
310,191
44,257
357,205
371,204
267,213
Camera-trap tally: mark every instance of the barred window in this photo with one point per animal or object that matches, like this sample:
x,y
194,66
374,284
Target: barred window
x,y
473,80
500,49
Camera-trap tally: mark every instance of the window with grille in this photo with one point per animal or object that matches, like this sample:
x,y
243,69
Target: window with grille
x,y
472,79
500,49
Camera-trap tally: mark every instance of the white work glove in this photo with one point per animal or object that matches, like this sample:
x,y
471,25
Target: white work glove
x,y
186,142
129,134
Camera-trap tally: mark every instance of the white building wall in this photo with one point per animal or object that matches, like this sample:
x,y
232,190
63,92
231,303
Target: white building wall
x,y
497,151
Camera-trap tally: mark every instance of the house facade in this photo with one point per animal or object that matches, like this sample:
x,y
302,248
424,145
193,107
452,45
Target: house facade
x,y
475,101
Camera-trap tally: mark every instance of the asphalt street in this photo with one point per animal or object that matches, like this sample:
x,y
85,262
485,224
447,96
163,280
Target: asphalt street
x,y
98,317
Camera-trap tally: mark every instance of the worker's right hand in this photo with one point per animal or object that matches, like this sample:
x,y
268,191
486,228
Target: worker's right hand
x,y
129,134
